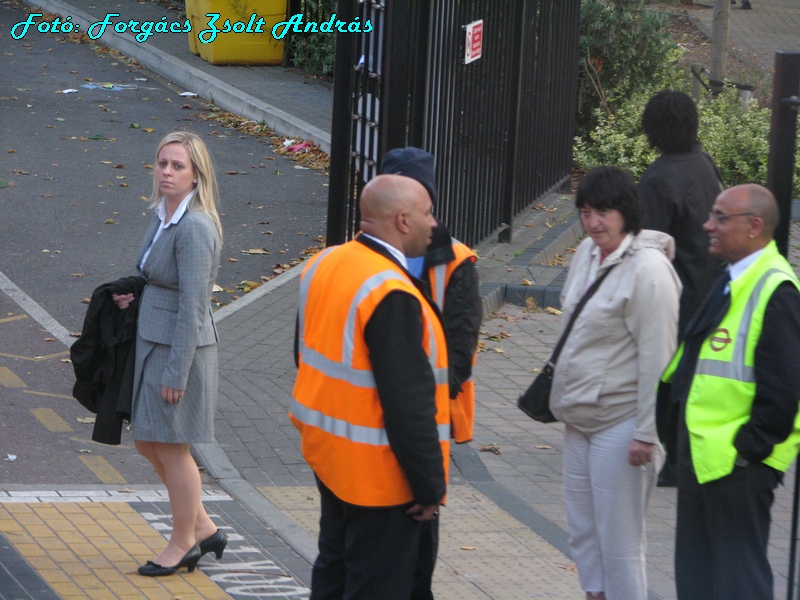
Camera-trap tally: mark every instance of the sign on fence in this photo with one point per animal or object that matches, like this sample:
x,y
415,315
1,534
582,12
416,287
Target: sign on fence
x,y
474,45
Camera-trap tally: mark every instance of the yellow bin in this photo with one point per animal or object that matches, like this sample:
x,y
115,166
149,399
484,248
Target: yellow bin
x,y
237,42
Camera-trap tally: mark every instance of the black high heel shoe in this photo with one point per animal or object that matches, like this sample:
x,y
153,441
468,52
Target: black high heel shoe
x,y
151,569
215,543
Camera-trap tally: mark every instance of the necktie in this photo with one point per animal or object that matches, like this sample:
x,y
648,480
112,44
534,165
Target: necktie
x,y
710,310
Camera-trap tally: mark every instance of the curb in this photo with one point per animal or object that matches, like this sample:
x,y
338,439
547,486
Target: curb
x,y
535,258
191,78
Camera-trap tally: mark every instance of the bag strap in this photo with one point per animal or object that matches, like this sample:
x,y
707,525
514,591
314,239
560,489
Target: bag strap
x,y
589,293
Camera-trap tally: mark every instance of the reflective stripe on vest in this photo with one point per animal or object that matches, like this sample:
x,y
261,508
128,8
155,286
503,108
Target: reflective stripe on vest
x,y
344,370
374,436
439,274
736,369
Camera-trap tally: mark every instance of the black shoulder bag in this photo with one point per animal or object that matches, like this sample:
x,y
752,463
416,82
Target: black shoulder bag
x,y
535,402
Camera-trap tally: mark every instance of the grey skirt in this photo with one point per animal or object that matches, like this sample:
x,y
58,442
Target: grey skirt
x,y
189,421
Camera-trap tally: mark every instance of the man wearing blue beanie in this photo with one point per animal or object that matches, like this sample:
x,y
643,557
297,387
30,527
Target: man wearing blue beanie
x,y
448,268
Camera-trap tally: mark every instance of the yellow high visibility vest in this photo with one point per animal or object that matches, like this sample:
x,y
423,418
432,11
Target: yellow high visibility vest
x,y
723,387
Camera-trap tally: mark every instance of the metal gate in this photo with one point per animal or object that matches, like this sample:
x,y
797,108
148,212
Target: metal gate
x,y
500,126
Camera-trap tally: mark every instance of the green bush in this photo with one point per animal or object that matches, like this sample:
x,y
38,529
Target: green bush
x,y
734,135
314,51
624,47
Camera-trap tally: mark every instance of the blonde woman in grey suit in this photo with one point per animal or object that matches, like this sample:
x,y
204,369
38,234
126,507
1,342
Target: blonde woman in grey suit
x,y
175,380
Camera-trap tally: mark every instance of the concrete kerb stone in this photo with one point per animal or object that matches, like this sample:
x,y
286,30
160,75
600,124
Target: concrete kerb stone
x,y
545,289
228,477
186,76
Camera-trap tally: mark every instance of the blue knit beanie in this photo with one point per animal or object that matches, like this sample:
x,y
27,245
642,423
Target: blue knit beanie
x,y
414,163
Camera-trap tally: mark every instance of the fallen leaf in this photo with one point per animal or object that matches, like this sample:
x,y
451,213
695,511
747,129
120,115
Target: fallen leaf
x,y
148,130
499,351
49,339
256,251
12,151
232,172
108,222
493,448
552,311
231,259
217,288
247,286
527,282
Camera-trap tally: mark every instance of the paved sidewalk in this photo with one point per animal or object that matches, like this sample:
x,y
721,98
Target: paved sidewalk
x,y
503,533
756,34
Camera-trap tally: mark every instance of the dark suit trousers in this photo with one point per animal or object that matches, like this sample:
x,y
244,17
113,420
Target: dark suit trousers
x,y
722,534
371,553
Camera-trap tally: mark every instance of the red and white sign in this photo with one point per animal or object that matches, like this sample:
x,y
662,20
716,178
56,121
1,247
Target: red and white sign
x,y
474,46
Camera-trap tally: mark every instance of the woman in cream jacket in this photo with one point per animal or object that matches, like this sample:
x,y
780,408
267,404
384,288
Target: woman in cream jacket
x,y
605,383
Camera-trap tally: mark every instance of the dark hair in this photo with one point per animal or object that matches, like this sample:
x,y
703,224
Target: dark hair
x,y
611,188
670,122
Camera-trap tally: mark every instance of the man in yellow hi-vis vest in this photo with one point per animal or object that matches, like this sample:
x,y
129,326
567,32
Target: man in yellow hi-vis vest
x,y
371,399
735,388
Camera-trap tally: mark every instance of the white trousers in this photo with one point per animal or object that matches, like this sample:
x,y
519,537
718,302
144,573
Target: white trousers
x,y
605,500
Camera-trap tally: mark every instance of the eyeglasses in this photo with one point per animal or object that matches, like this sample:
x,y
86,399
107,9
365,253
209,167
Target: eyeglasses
x,y
720,218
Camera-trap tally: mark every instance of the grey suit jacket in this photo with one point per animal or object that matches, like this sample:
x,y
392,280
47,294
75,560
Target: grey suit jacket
x,y
175,308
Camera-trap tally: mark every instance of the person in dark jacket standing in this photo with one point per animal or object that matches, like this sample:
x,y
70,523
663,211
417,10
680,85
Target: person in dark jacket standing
x,y
448,267
371,398
677,191
735,383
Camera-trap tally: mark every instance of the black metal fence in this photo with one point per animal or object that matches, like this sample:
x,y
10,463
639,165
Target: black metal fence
x,y
501,126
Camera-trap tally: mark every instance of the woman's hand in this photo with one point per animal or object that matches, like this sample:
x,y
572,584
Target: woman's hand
x,y
122,301
171,395
640,453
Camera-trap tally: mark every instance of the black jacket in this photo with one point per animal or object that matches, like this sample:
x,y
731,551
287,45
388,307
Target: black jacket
x,y
103,358
463,309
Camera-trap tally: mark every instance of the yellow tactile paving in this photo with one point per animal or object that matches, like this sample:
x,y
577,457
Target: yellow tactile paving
x,y
102,469
91,551
484,552
9,379
13,318
50,419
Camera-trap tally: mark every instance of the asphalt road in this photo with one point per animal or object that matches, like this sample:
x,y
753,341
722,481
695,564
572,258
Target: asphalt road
x,y
76,166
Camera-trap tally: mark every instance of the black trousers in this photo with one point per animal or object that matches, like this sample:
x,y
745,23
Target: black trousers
x,y
722,534
372,553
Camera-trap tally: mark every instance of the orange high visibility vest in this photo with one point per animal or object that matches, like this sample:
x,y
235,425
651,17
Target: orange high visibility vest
x,y
462,407
336,405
